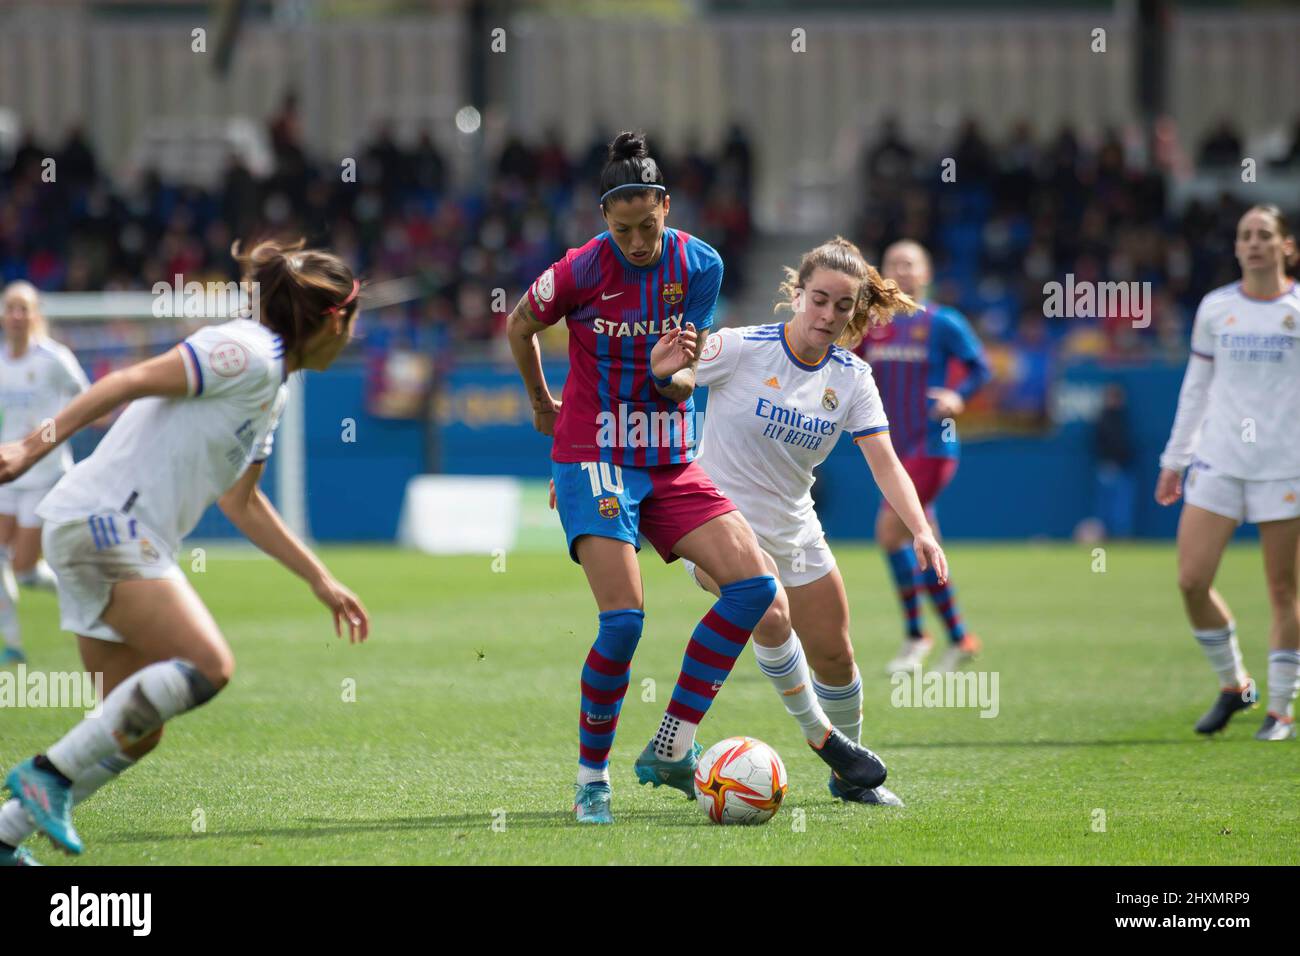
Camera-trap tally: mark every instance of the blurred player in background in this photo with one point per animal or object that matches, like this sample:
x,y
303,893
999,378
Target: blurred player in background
x,y
910,359
637,298
780,396
38,376
198,430
1242,392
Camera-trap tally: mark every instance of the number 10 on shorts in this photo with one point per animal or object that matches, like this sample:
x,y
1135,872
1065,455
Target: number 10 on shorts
x,y
604,477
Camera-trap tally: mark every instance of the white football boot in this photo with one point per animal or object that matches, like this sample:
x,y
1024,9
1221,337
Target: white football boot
x,y
911,656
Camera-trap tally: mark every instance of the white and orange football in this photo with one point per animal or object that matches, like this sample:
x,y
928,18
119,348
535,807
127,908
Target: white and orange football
x,y
740,780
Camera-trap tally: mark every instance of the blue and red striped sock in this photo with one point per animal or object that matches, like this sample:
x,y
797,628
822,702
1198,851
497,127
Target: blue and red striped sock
x,y
604,684
903,565
944,597
717,642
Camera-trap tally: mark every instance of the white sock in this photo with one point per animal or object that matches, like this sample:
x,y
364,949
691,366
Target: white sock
x,y
8,603
136,708
15,824
843,705
1221,650
587,775
1283,677
787,668
674,738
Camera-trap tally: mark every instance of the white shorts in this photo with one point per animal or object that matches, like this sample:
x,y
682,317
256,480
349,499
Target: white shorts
x,y
21,503
90,556
795,566
1239,499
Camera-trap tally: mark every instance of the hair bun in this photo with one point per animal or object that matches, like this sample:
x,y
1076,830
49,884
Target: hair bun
x,y
628,145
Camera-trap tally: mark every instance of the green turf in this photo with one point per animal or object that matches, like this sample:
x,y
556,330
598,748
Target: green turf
x,y
466,705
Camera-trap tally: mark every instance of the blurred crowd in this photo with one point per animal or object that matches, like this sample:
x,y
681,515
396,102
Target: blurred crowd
x,y
398,216
1021,211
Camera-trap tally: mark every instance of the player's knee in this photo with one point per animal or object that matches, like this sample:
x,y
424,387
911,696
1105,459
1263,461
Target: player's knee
x,y
1282,594
754,594
889,535
620,632
1194,582
208,673
776,619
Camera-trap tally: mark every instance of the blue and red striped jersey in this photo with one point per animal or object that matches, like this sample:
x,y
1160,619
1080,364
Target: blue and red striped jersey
x,y
616,312
911,355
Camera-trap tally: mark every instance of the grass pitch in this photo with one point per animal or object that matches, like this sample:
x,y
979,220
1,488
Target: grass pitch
x,y
460,744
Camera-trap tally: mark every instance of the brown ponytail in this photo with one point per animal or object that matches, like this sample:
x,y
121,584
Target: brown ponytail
x,y
297,289
879,299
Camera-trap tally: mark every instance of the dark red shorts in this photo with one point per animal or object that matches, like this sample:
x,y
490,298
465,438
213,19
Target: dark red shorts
x,y
930,474
683,497
663,503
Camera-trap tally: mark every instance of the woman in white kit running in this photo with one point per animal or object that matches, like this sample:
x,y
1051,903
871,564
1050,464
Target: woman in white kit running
x,y
38,376
197,431
1237,435
780,396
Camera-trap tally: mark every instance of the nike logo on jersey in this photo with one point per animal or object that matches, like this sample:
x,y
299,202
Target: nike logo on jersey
x,y
605,298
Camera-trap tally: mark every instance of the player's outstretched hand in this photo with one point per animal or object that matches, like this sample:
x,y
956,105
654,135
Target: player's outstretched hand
x,y
947,403
544,418
674,351
13,461
1169,486
345,606
930,555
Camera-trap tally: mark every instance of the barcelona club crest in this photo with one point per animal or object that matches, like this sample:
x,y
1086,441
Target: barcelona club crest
x,y
608,507
830,401
672,292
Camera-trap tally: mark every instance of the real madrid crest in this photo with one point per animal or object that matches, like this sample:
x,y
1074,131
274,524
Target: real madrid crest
x,y
672,292
830,401
1289,322
545,287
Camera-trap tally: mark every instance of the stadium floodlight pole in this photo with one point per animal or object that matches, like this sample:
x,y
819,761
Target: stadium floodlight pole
x,y
1151,29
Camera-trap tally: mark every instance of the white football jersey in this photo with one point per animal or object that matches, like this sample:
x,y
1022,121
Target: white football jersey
x,y
1251,428
772,418
165,460
33,388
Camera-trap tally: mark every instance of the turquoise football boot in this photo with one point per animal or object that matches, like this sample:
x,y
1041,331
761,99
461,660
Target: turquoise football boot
x,y
678,774
19,857
11,657
591,804
48,801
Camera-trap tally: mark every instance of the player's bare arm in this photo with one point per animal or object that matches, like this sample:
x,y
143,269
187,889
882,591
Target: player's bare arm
x,y
521,331
163,376
252,513
897,487
676,356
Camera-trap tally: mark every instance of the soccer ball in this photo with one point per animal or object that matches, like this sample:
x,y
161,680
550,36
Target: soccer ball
x,y
740,780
